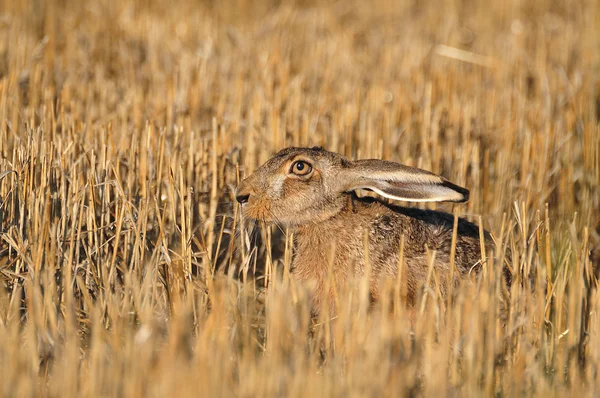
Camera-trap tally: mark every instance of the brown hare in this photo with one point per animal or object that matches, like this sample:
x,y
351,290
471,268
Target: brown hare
x,y
311,191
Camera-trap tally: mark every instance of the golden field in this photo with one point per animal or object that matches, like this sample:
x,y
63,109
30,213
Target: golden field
x,y
127,270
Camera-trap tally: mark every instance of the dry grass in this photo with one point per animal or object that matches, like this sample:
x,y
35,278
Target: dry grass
x,y
124,269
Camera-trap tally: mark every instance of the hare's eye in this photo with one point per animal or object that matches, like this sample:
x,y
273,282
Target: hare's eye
x,y
301,168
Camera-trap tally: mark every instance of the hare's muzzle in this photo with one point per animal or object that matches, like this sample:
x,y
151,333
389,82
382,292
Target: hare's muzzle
x,y
242,194
242,198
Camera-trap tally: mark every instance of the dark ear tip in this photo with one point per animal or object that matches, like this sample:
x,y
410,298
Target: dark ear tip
x,y
463,191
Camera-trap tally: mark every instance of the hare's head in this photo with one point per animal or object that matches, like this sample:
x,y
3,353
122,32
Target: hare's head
x,y
303,185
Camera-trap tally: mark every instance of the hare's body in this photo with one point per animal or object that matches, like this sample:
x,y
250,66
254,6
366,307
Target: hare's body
x,y
339,242
312,192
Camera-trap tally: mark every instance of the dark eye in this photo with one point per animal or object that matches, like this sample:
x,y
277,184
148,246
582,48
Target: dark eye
x,y
301,168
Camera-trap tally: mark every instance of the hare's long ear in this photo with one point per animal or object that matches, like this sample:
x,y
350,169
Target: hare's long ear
x,y
398,182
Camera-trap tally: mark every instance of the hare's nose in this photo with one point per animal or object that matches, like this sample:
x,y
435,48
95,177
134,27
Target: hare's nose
x,y
242,198
242,194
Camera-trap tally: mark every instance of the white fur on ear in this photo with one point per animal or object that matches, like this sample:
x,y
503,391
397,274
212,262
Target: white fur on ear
x,y
399,182
415,192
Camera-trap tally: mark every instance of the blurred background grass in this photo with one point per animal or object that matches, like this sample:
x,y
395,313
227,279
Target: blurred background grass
x,y
126,125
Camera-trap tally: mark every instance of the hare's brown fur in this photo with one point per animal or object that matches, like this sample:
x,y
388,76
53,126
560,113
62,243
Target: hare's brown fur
x,y
331,223
345,234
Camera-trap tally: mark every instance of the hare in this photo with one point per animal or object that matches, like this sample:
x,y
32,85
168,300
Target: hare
x,y
311,191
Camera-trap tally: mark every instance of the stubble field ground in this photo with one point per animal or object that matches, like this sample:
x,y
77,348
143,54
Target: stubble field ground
x,y
126,269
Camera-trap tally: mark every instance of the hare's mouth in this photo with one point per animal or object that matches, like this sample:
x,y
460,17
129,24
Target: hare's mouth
x,y
257,212
267,216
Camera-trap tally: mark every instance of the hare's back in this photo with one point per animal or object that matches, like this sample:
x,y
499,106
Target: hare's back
x,y
427,230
